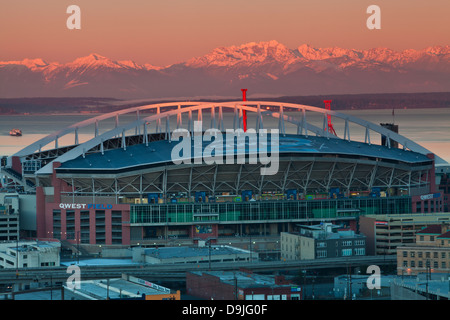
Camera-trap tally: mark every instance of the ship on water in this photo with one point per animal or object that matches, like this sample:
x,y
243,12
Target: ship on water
x,y
15,132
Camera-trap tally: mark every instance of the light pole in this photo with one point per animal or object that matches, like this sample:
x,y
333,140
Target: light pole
x,y
78,247
17,255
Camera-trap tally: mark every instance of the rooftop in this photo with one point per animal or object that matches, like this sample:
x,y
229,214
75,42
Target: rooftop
x,y
243,279
119,288
185,252
433,229
445,235
159,152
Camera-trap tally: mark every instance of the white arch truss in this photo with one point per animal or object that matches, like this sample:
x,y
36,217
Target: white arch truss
x,y
166,110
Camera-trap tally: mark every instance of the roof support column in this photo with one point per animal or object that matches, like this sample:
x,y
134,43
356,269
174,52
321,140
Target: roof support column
x,y
213,117
158,121
281,126
179,118
124,144
76,136
259,120
96,128
221,120
367,137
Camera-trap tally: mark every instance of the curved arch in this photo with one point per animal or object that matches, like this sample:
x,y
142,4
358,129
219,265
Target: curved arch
x,y
56,135
237,106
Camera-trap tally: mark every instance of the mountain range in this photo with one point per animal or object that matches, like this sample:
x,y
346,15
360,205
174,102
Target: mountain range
x,y
264,68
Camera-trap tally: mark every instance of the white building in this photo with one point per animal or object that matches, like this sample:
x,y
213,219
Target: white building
x,y
29,254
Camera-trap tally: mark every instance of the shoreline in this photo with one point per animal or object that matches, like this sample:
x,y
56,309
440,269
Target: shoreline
x,y
99,112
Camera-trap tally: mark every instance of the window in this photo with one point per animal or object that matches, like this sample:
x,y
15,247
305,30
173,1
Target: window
x,y
443,265
321,253
421,238
405,254
435,255
360,251
420,254
431,238
321,244
420,264
405,264
346,252
347,243
413,264
443,255
412,254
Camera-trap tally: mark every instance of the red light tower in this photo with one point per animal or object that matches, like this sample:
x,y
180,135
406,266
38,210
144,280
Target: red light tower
x,y
244,112
330,125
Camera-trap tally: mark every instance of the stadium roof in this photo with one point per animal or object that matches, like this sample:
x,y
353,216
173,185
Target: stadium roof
x,y
159,153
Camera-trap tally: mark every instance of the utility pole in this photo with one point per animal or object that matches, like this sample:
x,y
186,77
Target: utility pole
x,y
235,287
209,241
51,287
78,247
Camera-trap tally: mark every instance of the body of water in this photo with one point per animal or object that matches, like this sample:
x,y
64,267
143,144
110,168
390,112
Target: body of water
x,y
427,127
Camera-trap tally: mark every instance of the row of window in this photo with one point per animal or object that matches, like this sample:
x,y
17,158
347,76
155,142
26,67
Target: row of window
x,y
343,253
345,243
428,254
422,264
432,239
83,235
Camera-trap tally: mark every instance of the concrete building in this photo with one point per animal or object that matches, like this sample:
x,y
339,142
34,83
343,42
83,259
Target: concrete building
x,y
385,232
125,288
29,254
200,254
9,216
241,285
430,253
321,241
443,184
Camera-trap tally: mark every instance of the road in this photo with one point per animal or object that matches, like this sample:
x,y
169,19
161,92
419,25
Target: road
x,y
176,272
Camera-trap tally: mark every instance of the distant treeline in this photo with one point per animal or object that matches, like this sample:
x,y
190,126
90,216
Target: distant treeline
x,y
374,101
339,102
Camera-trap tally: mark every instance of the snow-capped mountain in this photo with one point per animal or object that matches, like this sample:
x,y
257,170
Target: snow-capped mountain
x,y
268,68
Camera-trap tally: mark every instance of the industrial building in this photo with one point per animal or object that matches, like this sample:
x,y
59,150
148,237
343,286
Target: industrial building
x,y
122,187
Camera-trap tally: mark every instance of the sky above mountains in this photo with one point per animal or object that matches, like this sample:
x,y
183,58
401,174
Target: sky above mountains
x,y
162,32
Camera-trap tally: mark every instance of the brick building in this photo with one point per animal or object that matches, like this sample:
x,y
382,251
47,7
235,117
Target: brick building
x,y
240,286
430,253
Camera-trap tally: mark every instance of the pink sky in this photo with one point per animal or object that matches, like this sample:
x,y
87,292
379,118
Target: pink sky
x,y
162,32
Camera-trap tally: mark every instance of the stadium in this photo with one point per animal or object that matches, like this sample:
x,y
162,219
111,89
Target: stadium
x,y
121,186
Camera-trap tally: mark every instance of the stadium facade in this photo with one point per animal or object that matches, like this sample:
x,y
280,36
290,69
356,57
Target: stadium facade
x,y
122,187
